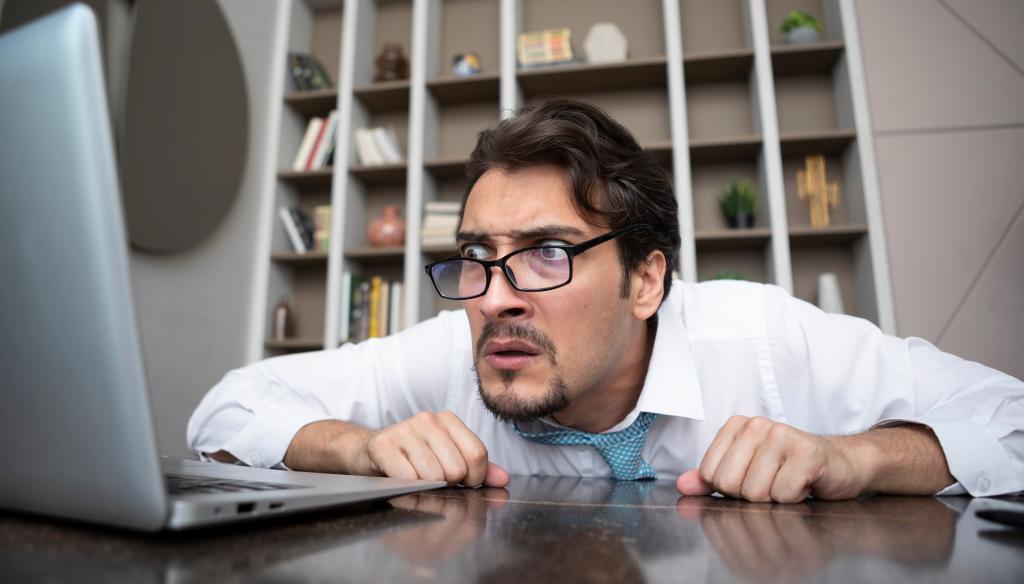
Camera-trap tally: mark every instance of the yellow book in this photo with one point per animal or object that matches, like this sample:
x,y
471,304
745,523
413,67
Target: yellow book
x,y
375,283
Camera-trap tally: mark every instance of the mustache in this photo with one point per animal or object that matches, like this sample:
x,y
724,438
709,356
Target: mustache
x,y
515,330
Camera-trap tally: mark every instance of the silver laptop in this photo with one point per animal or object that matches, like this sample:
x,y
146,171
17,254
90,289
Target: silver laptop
x,y
76,432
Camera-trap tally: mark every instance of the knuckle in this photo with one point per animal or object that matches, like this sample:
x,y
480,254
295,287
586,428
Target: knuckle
x,y
737,421
759,423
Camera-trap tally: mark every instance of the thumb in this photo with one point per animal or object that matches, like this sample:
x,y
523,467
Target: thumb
x,y
689,483
496,476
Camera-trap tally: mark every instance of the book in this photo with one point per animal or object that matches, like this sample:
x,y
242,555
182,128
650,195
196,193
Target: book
x,y
374,319
324,143
385,307
295,72
366,148
387,145
442,207
304,223
322,229
316,144
292,230
308,142
397,312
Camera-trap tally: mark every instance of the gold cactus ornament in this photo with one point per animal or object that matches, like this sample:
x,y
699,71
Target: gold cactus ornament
x,y
812,185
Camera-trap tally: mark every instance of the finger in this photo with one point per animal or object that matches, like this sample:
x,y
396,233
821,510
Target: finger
x,y
719,446
448,455
496,476
689,483
732,468
392,462
422,459
792,483
757,484
471,448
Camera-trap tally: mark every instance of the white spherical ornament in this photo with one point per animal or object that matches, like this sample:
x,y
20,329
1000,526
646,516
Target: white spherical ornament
x,y
605,43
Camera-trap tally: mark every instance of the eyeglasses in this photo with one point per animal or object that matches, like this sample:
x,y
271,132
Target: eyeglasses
x,y
531,269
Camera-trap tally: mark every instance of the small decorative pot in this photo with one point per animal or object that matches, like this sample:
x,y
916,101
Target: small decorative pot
x,y
391,63
388,229
802,35
741,220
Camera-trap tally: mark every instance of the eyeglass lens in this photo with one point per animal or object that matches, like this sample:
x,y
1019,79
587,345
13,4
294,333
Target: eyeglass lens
x,y
529,269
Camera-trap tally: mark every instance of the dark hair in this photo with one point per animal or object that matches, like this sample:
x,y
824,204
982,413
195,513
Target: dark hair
x,y
615,183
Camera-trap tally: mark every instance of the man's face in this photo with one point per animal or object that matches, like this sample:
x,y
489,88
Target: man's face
x,y
535,352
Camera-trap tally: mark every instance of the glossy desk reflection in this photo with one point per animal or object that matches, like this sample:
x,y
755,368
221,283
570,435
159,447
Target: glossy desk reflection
x,y
547,529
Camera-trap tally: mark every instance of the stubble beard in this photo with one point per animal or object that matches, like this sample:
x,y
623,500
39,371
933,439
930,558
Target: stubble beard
x,y
506,404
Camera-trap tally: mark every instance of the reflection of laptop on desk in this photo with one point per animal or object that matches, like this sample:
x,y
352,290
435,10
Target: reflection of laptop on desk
x,y
76,434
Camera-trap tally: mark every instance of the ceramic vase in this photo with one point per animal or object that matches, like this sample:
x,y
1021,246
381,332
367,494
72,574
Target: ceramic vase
x,y
388,229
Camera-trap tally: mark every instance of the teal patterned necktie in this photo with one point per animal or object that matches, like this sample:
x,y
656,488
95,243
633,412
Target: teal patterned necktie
x,y
621,450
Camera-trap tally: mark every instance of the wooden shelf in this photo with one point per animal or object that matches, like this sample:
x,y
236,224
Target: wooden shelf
x,y
379,174
375,253
300,259
440,251
296,344
733,65
736,148
807,236
455,90
318,102
444,168
752,238
811,59
826,142
307,179
582,78
384,96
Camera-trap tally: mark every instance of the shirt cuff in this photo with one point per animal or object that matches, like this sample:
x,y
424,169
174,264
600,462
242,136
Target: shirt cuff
x,y
264,440
976,459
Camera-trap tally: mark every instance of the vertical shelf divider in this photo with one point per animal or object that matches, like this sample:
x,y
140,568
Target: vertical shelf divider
x,y
869,172
687,260
781,272
511,17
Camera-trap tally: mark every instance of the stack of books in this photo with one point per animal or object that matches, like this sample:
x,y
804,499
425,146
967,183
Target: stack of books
x,y
307,233
370,307
377,146
440,220
306,73
317,148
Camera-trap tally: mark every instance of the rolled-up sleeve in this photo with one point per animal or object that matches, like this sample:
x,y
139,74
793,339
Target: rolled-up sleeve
x,y
255,411
839,373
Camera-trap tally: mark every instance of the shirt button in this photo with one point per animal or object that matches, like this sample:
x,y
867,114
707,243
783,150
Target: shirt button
x,y
983,485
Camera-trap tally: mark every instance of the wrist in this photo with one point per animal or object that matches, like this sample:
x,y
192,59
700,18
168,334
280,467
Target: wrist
x,y
865,460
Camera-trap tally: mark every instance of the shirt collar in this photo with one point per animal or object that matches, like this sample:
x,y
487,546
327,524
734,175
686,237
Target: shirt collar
x,y
671,387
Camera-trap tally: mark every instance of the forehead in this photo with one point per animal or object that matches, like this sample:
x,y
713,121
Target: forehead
x,y
502,202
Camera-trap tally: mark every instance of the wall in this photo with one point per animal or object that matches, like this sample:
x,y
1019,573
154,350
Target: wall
x,y
946,88
195,308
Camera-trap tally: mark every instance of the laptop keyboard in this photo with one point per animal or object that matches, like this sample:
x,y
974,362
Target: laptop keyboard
x,y
179,485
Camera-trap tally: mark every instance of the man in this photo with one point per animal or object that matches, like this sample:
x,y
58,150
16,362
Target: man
x,y
578,355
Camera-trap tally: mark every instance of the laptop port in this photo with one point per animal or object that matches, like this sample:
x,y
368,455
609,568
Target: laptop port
x,y
246,507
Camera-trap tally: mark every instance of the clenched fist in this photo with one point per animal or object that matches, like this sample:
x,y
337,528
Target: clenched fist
x,y
428,446
760,460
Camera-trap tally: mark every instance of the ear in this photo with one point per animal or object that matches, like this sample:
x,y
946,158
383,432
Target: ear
x,y
648,285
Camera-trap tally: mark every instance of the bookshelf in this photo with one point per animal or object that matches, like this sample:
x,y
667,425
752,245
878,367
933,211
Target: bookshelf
x,y
710,88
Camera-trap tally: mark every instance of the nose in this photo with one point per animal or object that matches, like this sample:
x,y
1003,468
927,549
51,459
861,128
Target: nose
x,y
502,301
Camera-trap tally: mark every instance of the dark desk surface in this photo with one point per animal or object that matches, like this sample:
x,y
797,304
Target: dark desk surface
x,y
546,529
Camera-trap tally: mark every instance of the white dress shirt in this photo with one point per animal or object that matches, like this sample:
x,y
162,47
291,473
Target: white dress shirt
x,y
722,348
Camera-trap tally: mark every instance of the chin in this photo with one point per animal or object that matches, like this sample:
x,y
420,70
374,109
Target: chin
x,y
514,397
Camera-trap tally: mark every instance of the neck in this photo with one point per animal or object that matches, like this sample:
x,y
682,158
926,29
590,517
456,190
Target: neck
x,y
601,408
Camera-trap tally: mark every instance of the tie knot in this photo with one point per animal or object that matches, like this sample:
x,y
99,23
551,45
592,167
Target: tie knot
x,y
621,450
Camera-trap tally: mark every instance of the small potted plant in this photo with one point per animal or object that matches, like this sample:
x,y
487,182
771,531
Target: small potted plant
x,y
739,204
800,28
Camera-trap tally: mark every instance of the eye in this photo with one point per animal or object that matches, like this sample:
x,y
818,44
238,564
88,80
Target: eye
x,y
474,251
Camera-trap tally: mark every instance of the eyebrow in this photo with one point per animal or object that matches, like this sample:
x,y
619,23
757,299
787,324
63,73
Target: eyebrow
x,y
523,234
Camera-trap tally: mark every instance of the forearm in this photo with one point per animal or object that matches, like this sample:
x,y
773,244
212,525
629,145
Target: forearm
x,y
328,446
901,460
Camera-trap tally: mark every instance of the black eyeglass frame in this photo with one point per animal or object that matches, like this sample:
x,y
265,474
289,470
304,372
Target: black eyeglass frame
x,y
571,251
